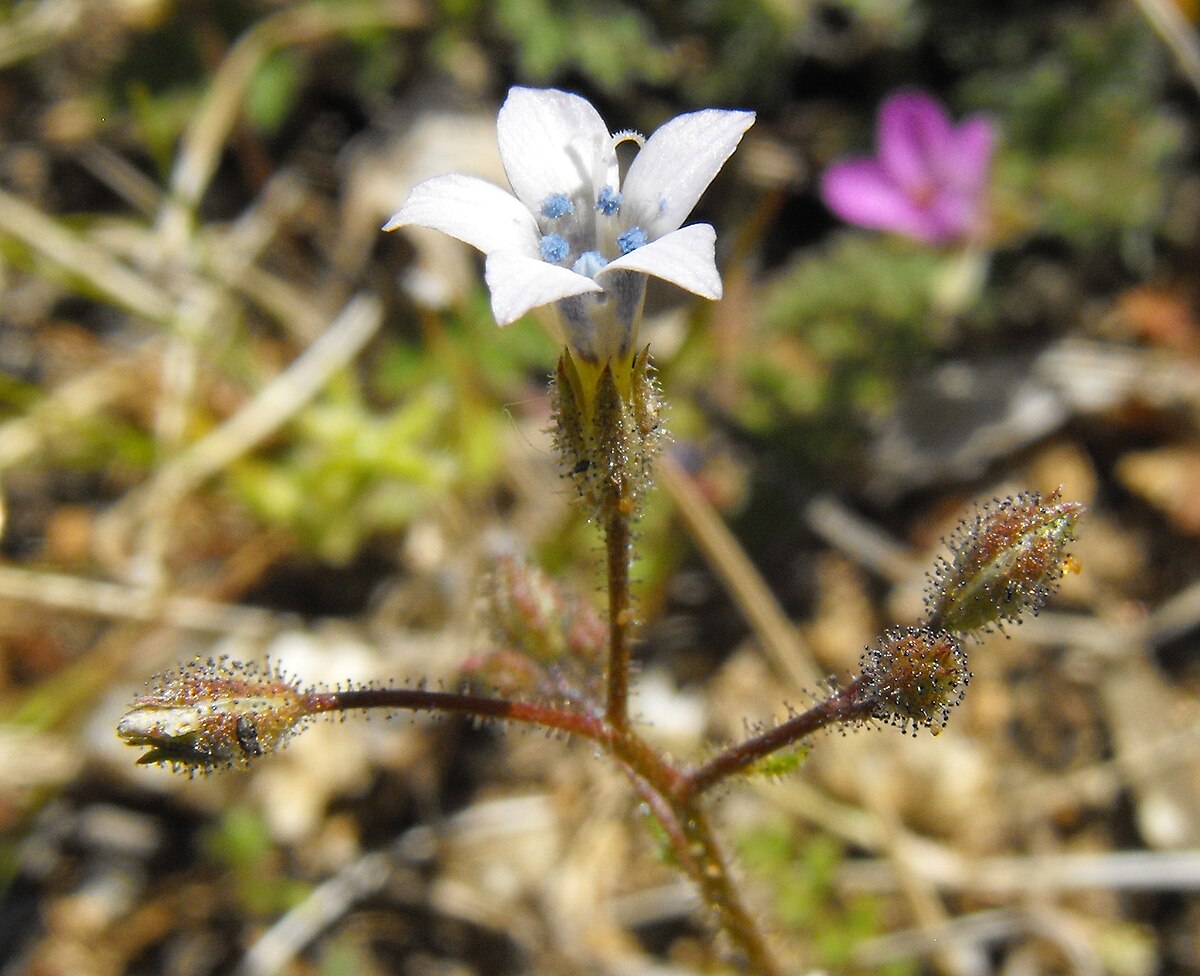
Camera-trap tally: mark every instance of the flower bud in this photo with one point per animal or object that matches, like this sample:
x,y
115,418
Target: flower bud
x,y
914,677
607,428
541,637
1005,561
213,715
527,611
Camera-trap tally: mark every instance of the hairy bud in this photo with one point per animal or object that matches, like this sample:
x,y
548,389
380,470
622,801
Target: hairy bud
x,y
914,676
212,715
528,611
540,636
1005,561
607,428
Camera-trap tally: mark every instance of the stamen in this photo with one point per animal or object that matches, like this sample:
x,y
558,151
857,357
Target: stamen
x,y
631,240
557,205
608,202
590,263
628,135
554,248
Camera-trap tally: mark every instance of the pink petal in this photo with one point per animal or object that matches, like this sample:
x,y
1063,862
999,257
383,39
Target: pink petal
x,y
951,215
861,192
914,135
976,139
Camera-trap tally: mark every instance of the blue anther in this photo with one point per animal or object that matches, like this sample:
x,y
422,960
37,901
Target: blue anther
x,y
589,263
631,240
608,202
557,205
554,248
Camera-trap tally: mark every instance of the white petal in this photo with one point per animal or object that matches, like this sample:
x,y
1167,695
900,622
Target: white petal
x,y
520,283
554,142
685,257
473,210
676,165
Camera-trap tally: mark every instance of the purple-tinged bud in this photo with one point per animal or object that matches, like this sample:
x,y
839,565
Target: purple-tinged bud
x,y
213,715
541,638
1005,561
913,677
526,611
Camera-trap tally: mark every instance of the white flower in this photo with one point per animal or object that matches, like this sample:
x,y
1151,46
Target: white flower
x,y
574,234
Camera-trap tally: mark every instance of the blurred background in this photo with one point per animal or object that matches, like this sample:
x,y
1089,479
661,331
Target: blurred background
x,y
237,419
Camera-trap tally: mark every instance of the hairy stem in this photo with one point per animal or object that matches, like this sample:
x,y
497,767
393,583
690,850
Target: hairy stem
x,y
847,705
668,791
720,892
663,787
423,700
618,545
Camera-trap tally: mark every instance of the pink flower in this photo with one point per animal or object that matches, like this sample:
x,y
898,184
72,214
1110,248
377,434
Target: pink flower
x,y
928,180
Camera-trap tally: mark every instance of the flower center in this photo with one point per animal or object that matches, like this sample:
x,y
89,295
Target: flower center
x,y
557,205
554,248
608,202
590,263
585,238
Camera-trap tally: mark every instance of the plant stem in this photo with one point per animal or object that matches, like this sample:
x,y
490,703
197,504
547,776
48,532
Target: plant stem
x,y
618,544
662,786
844,706
422,700
668,791
720,891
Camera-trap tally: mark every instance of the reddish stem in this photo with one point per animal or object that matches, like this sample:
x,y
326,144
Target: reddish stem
x,y
847,705
669,791
423,700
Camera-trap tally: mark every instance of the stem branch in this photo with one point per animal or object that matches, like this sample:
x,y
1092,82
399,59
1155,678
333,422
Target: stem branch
x,y
844,706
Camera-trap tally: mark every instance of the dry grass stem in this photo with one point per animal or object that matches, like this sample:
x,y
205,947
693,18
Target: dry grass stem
x,y
208,134
117,600
36,28
775,632
1168,20
1007,876
81,256
272,407
858,539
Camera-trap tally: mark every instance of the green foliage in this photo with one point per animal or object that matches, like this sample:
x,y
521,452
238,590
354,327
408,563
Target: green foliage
x,y
861,278
346,954
780,763
274,91
348,470
801,871
1087,141
349,473
744,51
895,22
16,395
840,328
242,844
611,43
